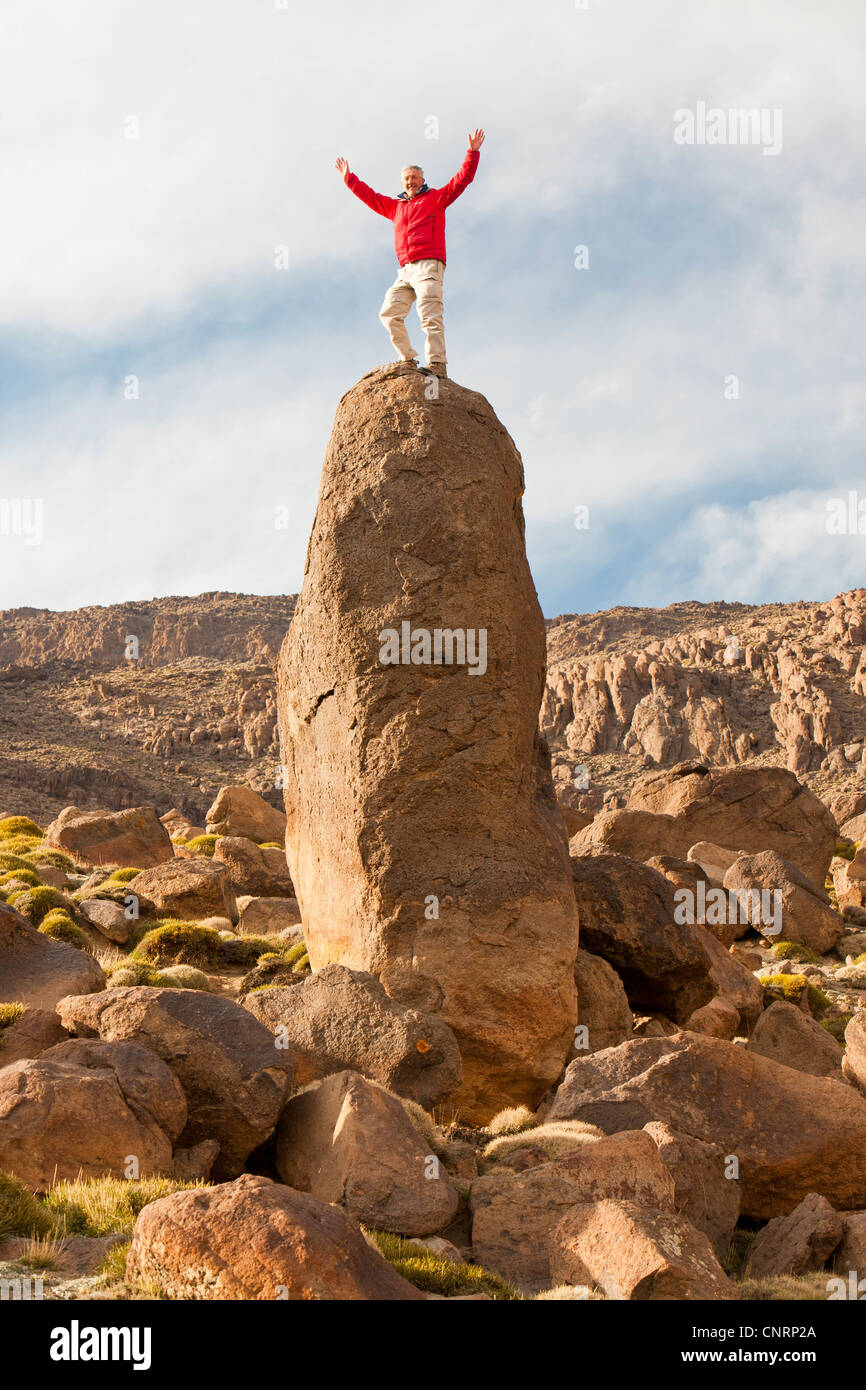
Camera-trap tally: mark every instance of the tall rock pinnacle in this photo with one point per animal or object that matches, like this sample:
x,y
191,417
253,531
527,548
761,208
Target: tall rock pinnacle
x,y
423,837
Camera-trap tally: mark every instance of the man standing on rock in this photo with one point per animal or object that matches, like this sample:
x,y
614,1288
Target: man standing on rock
x,y
418,215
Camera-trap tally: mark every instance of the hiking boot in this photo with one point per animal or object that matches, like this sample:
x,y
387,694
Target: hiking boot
x,y
409,361
436,368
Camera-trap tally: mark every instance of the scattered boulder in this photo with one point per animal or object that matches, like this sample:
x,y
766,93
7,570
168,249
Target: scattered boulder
x,y
791,1133
179,826
733,981
267,916
255,1239
339,1019
135,837
149,1087
602,1004
37,971
107,917
854,1061
632,1252
851,1253
254,871
627,916
187,889
233,1076
705,1193
748,809
30,1035
803,1240
634,834
713,859
806,915
346,1140
718,1019
785,1034
410,781
239,811
514,1214
59,1120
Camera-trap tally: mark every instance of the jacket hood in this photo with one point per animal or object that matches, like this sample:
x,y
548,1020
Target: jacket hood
x,y
425,188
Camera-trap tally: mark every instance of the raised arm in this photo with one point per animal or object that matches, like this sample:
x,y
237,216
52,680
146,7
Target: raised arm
x,y
377,201
466,172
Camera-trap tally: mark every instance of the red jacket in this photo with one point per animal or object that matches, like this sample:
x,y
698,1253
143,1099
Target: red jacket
x,y
419,222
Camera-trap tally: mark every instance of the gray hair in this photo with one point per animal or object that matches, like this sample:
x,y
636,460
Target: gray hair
x,y
412,166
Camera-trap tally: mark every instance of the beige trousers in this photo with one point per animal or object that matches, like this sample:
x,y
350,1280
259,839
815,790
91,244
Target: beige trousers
x,y
421,280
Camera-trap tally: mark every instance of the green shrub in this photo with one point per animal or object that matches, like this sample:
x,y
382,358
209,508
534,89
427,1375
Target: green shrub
x,y
60,927
245,950
21,844
181,943
292,954
786,1288
9,1014
122,875
14,861
22,1214
36,903
269,844
103,1206
845,849
52,856
836,1026
19,825
22,876
557,1139
792,988
130,972
433,1274
512,1121
201,844
792,950
182,977
112,1268
860,960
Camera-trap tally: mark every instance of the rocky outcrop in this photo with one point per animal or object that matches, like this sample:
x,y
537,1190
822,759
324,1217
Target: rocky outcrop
x,y
233,1077
804,1239
423,839
187,889
790,1133
240,811
786,1034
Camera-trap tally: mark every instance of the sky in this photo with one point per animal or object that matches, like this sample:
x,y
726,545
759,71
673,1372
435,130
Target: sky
x,y
692,383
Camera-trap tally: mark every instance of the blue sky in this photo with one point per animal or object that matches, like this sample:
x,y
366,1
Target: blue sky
x,y
154,257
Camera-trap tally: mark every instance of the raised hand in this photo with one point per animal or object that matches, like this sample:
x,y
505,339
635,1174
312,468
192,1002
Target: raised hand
x,y
342,165
476,140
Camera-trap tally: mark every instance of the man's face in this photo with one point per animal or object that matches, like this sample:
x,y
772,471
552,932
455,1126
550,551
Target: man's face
x,y
413,180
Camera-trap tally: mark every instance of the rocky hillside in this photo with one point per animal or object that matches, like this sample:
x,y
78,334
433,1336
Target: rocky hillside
x,y
93,717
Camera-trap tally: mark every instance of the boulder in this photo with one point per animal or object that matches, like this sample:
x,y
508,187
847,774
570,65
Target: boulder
x,y
803,1240
59,1120
254,871
714,860
851,1253
132,838
255,1239
790,1132
718,1019
854,1061
704,1192
179,826
31,1035
602,1004
785,1034
347,1141
632,1252
748,809
634,834
239,811
267,916
231,1072
149,1087
341,1019
733,981
187,889
854,828
424,839
627,916
806,915
37,971
514,1214
108,917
